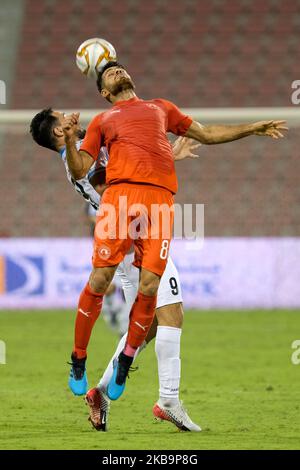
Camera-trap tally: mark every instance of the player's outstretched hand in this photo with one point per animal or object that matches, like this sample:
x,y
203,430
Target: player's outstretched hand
x,y
70,124
183,147
270,128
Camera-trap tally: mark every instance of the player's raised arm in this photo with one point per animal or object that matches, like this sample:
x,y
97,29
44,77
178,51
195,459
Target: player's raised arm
x,y
219,134
79,162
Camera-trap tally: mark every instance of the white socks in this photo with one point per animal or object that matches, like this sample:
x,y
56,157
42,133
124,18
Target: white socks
x,y
104,381
167,348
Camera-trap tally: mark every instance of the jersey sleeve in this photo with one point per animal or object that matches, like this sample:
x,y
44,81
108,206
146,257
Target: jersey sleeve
x,y
178,123
92,140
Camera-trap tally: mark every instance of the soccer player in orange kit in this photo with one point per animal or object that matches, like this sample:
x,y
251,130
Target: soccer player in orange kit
x,y
141,170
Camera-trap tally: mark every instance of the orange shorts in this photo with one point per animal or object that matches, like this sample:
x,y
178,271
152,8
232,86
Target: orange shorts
x,y
137,214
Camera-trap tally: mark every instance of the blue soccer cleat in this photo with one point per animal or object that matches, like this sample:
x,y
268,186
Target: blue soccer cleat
x,y
117,383
78,379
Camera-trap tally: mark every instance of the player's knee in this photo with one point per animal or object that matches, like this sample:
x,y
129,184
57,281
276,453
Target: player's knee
x,y
150,290
98,284
170,315
100,280
149,284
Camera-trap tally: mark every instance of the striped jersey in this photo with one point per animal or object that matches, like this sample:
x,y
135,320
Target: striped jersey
x,y
83,186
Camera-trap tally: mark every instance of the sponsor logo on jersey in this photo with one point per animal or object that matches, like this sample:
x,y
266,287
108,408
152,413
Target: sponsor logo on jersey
x,y
108,113
152,106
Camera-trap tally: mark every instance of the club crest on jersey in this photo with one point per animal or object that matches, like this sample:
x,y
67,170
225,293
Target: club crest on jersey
x,y
104,252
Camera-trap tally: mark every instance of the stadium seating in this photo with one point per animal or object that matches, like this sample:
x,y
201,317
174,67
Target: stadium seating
x,y
189,52
173,48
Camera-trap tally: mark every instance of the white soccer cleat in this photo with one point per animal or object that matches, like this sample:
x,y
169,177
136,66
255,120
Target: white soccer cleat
x,y
99,405
176,415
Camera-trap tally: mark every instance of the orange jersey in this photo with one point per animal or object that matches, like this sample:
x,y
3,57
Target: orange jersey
x,y
134,132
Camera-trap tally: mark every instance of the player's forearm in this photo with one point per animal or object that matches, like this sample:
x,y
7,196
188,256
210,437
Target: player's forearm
x,y
74,159
218,134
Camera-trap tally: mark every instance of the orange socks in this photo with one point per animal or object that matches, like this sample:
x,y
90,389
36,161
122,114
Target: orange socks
x,y
89,308
141,317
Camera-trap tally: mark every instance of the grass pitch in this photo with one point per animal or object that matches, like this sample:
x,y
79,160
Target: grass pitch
x,y
238,383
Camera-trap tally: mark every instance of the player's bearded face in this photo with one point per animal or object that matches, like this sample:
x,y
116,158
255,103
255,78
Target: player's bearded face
x,y
118,80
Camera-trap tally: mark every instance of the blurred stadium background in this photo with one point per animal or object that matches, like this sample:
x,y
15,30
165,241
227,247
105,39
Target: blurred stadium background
x,y
208,57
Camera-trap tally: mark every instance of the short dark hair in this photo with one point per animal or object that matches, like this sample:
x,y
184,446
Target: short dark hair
x,y
110,64
41,128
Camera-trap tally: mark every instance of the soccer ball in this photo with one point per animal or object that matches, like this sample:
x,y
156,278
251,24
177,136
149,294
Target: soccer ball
x,y
92,55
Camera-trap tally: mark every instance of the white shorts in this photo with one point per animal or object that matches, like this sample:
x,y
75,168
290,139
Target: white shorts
x,y
169,291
